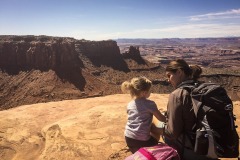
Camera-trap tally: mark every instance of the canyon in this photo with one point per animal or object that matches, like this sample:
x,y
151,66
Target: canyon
x,y
60,98
36,69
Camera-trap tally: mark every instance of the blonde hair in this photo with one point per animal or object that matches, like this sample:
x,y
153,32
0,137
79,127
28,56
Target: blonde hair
x,y
136,86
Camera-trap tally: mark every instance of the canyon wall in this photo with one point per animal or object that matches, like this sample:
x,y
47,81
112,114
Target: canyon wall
x,y
41,68
102,53
42,53
36,69
134,54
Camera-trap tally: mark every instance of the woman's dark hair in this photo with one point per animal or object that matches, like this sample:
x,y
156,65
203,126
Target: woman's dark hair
x,y
192,71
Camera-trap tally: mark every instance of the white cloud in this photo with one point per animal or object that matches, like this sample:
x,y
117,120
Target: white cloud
x,y
234,13
187,30
208,30
180,31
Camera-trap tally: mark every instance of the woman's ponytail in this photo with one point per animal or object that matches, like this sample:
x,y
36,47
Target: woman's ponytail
x,y
196,71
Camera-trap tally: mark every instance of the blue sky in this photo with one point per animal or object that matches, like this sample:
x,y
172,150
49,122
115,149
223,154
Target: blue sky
x,y
112,19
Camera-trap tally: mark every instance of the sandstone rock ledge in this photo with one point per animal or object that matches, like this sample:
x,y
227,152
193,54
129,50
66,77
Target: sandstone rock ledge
x,y
89,128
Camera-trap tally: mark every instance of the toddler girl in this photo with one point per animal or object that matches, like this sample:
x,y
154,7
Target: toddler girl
x,y
140,112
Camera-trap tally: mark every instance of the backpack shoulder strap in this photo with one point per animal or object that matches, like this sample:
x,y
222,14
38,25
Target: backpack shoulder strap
x,y
148,155
191,87
188,85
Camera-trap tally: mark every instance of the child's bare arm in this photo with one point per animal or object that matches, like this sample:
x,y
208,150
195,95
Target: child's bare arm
x,y
159,116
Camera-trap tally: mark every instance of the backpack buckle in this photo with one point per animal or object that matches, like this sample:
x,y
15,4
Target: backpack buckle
x,y
228,107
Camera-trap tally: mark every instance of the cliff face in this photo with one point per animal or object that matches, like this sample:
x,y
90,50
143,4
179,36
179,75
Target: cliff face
x,y
136,62
38,53
41,68
44,53
134,54
102,53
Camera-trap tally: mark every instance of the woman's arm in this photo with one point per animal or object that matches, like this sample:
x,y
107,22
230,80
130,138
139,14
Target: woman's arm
x,y
174,125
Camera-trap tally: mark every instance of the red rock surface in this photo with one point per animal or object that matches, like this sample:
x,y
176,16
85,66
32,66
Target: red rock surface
x,y
90,129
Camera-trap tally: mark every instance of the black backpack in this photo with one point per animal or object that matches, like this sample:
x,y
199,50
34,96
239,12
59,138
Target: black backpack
x,y
215,134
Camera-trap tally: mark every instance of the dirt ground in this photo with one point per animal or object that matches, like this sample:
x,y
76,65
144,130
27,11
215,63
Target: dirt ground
x,y
90,129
